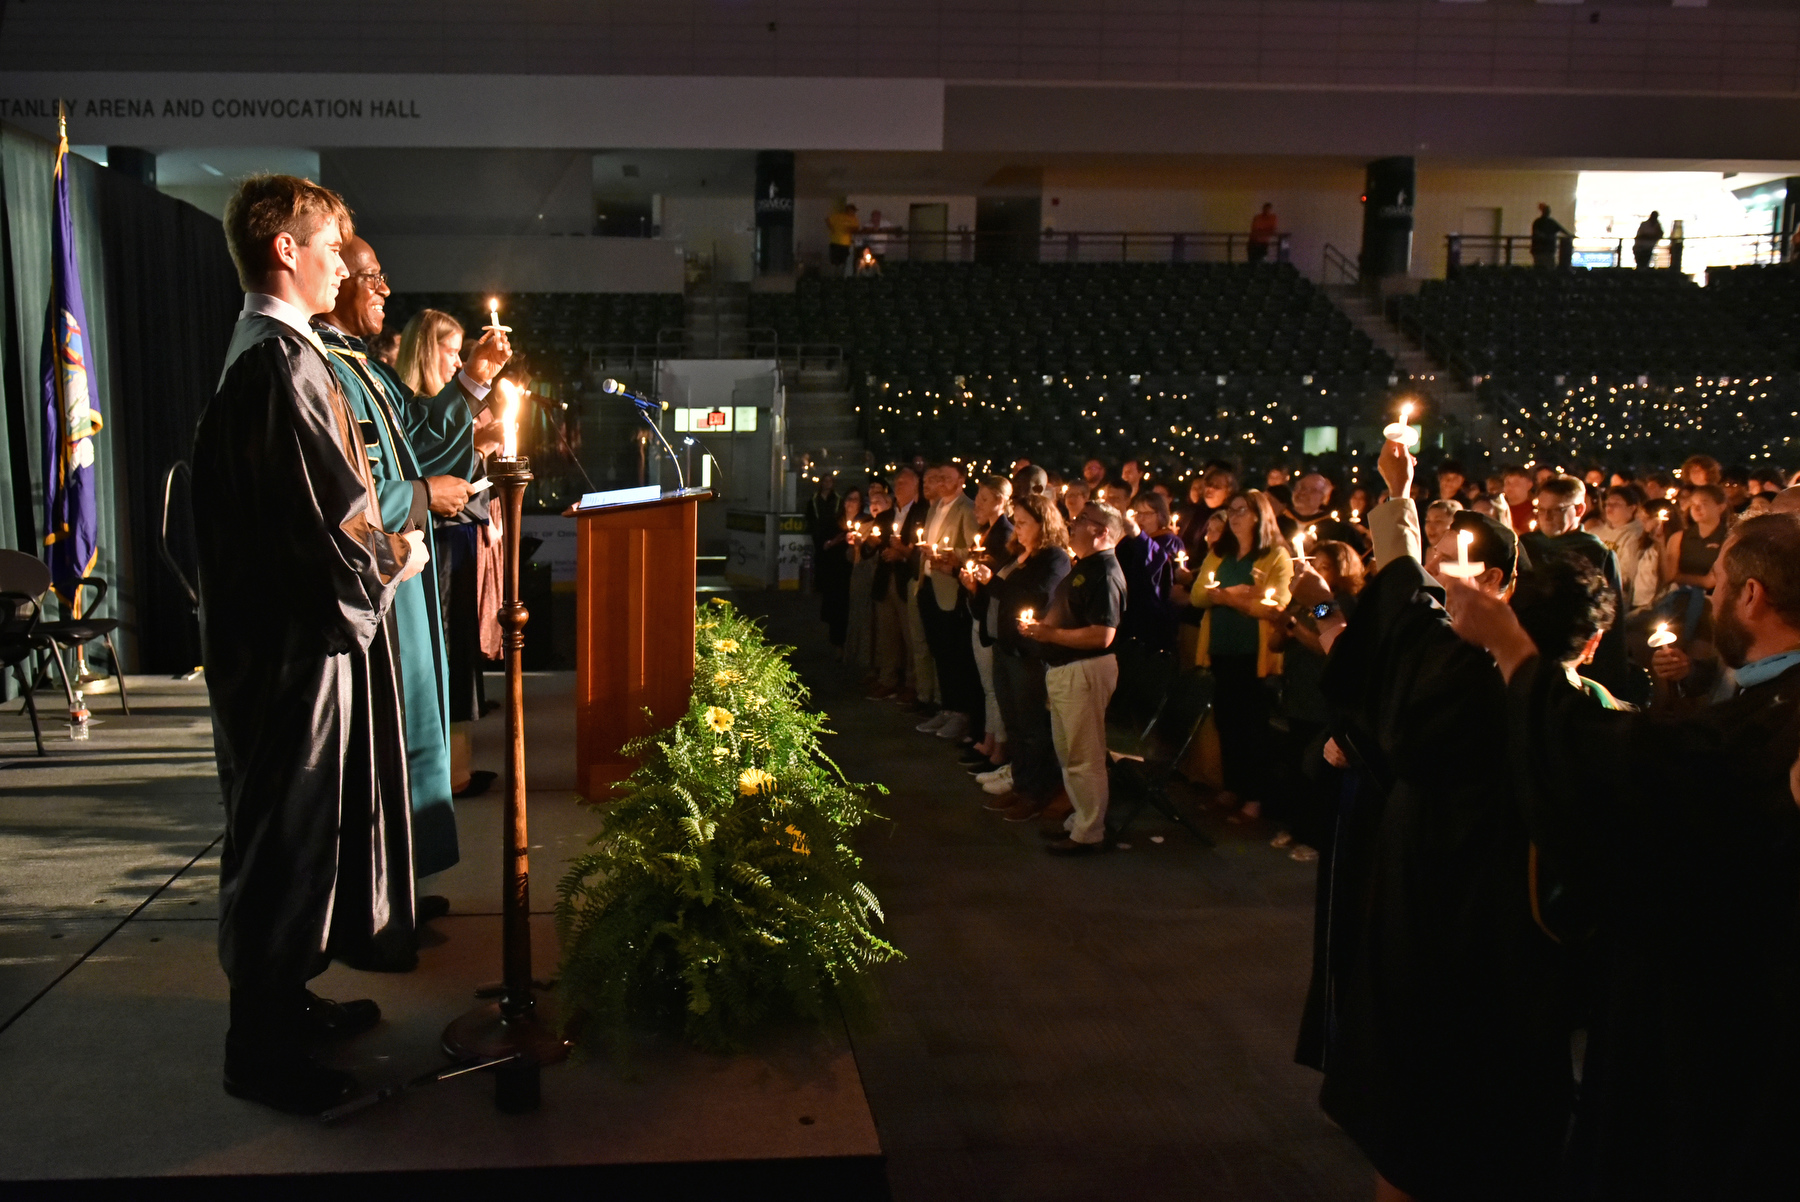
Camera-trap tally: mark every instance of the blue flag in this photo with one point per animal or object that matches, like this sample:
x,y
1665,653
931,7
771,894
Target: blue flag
x,y
71,518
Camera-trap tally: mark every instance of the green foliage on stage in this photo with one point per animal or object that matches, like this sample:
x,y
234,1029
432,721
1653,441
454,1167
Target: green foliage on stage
x,y
723,891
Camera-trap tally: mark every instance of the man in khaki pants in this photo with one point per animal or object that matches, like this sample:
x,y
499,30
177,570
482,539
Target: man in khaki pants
x,y
897,529
1081,671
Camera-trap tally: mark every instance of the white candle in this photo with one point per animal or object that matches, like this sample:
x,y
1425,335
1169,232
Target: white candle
x,y
1027,617
1462,568
493,312
1212,581
1181,559
1463,539
1401,431
1662,636
1269,595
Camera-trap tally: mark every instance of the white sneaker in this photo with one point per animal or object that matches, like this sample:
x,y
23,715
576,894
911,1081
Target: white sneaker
x,y
1004,770
954,728
930,725
1000,784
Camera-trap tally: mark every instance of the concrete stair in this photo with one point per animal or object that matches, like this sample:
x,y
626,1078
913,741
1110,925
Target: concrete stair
x,y
822,418
1450,395
718,314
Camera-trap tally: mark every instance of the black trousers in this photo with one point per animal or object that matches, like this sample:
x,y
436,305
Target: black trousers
x,y
1019,688
1299,801
1241,712
947,634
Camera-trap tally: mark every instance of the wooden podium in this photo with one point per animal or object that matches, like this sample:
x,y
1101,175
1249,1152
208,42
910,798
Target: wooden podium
x,y
634,628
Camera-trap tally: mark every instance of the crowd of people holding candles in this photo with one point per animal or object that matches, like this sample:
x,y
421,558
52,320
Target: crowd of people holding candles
x,y
1537,730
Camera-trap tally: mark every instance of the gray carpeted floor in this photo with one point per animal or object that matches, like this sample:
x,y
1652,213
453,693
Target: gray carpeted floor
x,y
1112,1027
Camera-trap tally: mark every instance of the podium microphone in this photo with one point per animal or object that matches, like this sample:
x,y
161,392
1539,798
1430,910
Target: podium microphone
x,y
614,388
645,407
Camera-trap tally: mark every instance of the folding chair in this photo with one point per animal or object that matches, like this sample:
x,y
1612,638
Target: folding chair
x,y
1141,777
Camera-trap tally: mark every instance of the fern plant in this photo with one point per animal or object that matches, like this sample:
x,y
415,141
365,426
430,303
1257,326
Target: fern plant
x,y
723,890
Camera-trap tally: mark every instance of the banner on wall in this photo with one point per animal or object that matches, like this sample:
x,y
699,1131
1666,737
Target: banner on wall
x,y
157,109
71,515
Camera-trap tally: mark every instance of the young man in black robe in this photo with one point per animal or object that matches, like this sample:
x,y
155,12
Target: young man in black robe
x,y
297,575
1686,836
1434,1010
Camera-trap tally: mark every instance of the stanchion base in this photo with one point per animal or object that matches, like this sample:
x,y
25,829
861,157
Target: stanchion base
x,y
486,1033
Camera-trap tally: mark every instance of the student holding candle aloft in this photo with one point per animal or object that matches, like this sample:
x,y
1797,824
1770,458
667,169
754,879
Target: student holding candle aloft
x,y
1436,1008
1253,574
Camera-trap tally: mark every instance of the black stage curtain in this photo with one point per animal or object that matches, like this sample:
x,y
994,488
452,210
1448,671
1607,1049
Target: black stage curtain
x,y
173,298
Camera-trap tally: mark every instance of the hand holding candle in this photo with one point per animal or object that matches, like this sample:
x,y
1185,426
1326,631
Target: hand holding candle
x,y
1401,431
494,316
1462,569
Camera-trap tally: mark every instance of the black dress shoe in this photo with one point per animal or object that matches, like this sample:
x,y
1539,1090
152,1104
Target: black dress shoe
x,y
478,784
326,1019
429,907
289,1082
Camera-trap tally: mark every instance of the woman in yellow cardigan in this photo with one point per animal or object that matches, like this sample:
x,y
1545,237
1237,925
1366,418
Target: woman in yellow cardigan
x,y
1242,590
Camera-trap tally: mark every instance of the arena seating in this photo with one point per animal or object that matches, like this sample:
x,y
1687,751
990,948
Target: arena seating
x,y
1079,318
1176,362
554,329
1172,424
1619,366
1515,322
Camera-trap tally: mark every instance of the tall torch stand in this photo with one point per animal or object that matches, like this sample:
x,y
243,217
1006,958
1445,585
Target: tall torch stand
x,y
510,1026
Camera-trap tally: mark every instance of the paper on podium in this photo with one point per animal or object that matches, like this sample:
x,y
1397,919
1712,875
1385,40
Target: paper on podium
x,y
620,496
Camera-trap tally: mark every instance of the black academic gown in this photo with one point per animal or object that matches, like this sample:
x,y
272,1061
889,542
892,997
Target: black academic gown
x,y
1684,839
296,580
1436,1010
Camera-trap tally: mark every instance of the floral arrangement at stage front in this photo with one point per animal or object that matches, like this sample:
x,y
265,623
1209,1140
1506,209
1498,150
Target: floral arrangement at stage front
x,y
723,890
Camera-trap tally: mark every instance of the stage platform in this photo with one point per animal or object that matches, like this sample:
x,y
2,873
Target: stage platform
x,y
114,1009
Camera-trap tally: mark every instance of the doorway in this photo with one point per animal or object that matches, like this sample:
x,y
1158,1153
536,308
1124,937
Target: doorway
x,y
1006,229
927,227
1480,230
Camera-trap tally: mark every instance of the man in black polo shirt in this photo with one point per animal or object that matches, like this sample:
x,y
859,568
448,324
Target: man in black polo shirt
x,y
1081,672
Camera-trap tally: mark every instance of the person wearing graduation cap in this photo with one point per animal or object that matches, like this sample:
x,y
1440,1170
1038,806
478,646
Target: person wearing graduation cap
x,y
407,499
1687,835
1434,1008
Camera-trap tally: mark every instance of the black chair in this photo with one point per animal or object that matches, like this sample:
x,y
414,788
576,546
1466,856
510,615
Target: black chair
x,y
27,574
75,633
18,643
1140,776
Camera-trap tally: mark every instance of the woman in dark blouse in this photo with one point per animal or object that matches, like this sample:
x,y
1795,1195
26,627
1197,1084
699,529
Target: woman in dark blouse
x,y
836,558
1027,583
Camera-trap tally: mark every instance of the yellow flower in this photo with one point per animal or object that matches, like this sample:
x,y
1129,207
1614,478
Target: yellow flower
x,y
707,625
726,645
799,843
727,676
720,753
719,720
720,602
752,781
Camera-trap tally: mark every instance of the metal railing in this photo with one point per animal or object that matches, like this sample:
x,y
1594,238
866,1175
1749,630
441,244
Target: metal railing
x,y
1515,250
1339,265
1064,246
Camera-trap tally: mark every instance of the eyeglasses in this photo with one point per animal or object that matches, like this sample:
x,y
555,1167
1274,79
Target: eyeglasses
x,y
375,278
1238,511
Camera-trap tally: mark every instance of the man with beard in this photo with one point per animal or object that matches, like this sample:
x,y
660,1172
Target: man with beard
x,y
406,499
297,575
1434,1010
1686,836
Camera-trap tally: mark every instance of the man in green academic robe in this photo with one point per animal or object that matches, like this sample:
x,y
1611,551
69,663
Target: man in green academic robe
x,y
405,494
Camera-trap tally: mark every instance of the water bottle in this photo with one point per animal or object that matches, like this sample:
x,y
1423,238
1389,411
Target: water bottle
x,y
78,718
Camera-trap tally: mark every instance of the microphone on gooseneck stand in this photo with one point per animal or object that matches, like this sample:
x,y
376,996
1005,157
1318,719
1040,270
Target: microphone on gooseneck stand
x,y
645,407
614,388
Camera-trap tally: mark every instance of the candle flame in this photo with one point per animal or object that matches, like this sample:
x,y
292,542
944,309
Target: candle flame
x,y
509,419
1405,411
